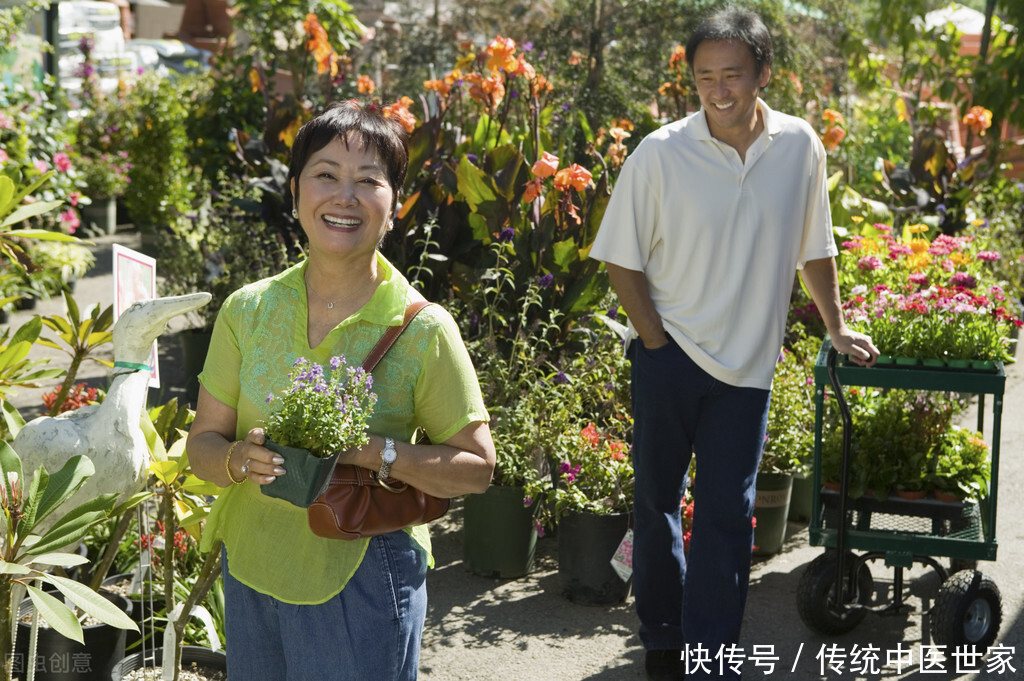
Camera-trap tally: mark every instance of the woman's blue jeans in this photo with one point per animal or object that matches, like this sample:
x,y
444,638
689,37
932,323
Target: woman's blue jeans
x,y
371,631
680,411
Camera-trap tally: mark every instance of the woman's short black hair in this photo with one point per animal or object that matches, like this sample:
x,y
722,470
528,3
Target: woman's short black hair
x,y
353,121
734,23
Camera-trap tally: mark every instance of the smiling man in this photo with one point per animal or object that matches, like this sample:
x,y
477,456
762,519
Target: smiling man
x,y
710,218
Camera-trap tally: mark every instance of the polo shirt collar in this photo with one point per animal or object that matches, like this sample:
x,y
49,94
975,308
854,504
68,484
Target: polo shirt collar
x,y
698,128
385,307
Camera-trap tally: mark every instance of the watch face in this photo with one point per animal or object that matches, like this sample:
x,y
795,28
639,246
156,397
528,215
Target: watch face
x,y
389,454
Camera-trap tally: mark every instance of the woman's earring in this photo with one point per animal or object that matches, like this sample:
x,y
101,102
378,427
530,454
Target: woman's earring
x,y
295,213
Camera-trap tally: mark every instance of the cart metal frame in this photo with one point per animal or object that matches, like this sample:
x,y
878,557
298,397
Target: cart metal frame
x,y
834,592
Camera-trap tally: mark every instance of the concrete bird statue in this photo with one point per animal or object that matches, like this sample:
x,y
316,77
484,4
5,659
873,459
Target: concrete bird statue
x,y
109,433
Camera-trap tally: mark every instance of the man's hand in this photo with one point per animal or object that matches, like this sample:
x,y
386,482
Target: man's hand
x,y
857,345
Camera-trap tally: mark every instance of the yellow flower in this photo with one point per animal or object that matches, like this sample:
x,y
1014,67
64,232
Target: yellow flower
x,y
857,219
959,259
919,245
978,119
918,228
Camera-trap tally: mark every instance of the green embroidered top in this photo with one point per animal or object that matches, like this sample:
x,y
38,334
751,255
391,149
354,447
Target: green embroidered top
x,y
426,379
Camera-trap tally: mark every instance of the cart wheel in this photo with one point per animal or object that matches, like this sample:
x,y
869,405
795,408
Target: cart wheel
x,y
814,595
967,611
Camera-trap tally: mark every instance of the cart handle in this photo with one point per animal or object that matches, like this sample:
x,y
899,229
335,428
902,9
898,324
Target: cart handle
x,y
844,478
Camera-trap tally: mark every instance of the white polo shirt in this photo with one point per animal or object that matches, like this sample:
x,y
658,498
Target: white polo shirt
x,y
720,239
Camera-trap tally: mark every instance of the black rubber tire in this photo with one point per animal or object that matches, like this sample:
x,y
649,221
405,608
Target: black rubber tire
x,y
967,612
814,595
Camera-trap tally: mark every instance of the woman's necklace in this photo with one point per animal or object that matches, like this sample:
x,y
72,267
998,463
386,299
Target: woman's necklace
x,y
330,303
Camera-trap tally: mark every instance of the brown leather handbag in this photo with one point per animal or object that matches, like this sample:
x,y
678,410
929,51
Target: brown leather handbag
x,y
356,504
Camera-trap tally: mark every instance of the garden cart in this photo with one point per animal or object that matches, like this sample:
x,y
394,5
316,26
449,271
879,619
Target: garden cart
x,y
837,590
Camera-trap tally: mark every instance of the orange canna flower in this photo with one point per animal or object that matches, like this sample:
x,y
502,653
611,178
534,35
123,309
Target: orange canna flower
x,y
439,86
365,85
489,91
618,134
575,58
400,110
534,188
832,138
590,434
525,69
575,176
501,55
540,85
677,57
546,165
978,119
833,117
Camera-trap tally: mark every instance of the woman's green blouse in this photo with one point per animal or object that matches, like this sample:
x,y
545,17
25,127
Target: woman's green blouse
x,y
426,380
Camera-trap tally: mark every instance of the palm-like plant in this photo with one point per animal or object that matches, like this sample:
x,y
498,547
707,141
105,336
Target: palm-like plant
x,y
35,532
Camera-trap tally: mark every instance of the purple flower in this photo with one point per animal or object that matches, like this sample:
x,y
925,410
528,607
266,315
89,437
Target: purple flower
x,y
506,235
561,378
613,312
337,362
546,280
527,502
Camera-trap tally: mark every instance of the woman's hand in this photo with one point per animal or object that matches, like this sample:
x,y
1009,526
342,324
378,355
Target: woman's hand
x,y
254,461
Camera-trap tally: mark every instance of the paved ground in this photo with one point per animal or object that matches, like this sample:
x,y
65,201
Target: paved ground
x,y
480,629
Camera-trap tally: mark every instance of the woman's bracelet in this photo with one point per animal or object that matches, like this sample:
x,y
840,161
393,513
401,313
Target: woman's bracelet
x,y
227,463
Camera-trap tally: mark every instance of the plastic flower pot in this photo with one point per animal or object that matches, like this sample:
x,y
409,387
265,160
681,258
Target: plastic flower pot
x,y
771,509
306,476
194,658
499,538
59,658
586,544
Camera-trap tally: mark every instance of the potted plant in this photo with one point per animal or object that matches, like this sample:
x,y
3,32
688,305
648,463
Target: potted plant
x,y
184,505
592,500
318,415
104,179
962,466
927,299
789,439
36,531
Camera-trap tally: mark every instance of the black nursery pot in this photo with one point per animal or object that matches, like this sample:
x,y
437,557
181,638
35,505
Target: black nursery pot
x,y
306,478
61,659
213,660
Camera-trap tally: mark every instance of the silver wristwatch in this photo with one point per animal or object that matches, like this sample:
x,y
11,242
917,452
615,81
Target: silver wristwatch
x,y
387,458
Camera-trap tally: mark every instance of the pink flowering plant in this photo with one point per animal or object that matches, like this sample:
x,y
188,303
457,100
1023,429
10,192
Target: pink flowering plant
x,y
930,299
594,474
322,411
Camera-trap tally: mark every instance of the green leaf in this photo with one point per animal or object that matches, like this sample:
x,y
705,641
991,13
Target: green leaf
x,y
565,253
12,417
13,568
473,185
92,603
57,559
56,614
64,483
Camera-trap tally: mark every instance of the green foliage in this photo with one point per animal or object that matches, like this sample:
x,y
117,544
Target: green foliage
x,y
790,435
162,181
223,245
28,546
81,336
18,371
894,436
322,411
962,465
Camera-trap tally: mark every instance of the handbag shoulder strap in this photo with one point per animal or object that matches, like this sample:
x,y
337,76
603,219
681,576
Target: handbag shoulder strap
x,y
391,335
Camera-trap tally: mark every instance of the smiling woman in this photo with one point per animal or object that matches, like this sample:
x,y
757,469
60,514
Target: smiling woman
x,y
365,599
